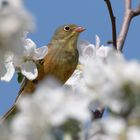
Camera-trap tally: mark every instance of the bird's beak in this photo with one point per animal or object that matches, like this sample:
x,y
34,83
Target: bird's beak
x,y
79,29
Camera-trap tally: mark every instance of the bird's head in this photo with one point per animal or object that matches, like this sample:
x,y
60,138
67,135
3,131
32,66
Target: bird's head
x,y
66,33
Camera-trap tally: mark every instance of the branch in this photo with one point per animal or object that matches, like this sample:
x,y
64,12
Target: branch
x,y
8,113
129,14
113,22
136,12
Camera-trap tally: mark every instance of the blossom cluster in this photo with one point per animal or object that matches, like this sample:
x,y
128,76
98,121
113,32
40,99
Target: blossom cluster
x,y
17,53
66,112
115,83
103,78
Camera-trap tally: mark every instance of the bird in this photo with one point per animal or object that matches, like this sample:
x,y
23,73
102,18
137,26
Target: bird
x,y
60,61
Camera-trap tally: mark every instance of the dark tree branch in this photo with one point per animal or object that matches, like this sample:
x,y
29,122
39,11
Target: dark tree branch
x,y
129,14
113,22
136,12
6,115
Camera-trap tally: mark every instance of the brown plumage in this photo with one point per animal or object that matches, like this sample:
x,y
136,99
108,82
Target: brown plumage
x,y
60,61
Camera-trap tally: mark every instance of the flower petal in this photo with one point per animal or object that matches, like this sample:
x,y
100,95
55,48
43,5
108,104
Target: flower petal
x,y
89,50
81,45
30,43
103,51
97,41
30,47
74,79
29,70
86,50
7,69
40,53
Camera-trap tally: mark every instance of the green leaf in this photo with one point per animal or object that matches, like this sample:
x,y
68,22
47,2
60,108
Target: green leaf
x,y
20,77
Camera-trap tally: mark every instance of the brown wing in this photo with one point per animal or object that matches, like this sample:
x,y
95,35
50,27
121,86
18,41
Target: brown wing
x,y
60,63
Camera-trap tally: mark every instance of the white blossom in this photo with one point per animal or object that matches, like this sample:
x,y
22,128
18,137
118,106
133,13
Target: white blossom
x,y
104,80
31,54
112,79
7,67
88,50
47,108
114,126
133,133
14,21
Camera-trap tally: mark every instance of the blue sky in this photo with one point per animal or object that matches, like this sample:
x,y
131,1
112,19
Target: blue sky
x,y
92,14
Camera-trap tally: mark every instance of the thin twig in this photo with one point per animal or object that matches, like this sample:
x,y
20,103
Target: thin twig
x,y
129,14
136,12
8,113
113,22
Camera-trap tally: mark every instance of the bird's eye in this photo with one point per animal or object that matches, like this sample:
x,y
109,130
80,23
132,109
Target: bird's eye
x,y
66,28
